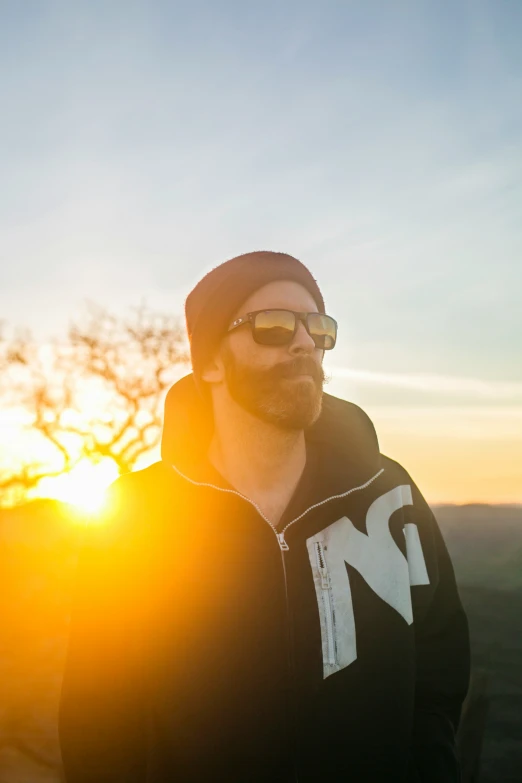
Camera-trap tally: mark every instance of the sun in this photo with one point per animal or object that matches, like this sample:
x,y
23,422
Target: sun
x,y
84,487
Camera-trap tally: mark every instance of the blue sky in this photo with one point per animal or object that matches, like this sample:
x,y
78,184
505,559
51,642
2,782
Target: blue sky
x,y
381,143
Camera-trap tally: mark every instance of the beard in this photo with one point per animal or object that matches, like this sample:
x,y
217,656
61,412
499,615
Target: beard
x,y
275,395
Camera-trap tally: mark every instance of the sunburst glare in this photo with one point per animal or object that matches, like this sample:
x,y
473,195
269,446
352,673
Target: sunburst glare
x,y
84,487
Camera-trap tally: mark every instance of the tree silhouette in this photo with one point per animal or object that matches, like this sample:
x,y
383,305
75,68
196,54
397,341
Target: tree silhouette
x,y
96,394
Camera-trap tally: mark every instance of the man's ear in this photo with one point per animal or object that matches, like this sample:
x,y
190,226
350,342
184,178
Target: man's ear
x,y
214,371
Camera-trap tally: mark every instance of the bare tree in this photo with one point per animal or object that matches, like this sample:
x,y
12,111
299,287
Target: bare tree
x,y
97,394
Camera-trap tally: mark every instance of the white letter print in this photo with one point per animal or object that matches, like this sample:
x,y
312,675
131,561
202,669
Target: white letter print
x,y
379,561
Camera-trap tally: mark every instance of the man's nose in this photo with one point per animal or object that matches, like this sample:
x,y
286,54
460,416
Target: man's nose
x,y
302,342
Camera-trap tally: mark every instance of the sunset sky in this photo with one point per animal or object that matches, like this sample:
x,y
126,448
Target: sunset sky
x,y
380,143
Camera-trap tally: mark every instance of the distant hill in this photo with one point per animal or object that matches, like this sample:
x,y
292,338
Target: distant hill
x,y
485,544
39,543
39,523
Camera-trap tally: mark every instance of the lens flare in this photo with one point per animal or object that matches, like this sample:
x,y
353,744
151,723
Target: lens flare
x,y
84,487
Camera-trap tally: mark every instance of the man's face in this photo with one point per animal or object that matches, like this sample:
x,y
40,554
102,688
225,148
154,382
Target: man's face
x,y
282,385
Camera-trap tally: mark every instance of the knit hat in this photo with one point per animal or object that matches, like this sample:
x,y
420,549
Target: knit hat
x,y
213,301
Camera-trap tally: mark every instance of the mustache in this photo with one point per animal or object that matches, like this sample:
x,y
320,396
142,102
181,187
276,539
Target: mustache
x,y
300,365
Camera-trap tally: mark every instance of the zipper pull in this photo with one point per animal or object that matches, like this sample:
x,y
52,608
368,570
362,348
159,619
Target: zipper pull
x,y
324,578
282,543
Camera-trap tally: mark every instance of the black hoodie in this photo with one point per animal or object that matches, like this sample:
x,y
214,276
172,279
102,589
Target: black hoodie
x,y
206,645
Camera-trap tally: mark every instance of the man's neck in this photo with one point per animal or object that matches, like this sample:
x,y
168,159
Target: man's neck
x,y
259,459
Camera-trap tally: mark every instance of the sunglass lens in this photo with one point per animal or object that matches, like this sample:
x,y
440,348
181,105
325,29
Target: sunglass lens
x,y
274,327
323,330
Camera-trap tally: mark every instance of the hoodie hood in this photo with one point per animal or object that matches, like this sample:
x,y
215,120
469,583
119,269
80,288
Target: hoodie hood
x,y
343,433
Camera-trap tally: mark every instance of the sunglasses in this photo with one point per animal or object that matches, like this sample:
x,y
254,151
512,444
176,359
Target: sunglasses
x,y
278,327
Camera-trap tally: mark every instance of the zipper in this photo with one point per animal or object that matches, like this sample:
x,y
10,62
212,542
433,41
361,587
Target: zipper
x,y
291,665
280,535
327,603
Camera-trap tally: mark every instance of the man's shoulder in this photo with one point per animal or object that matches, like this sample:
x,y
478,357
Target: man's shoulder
x,y
132,504
395,469
397,474
152,478
145,490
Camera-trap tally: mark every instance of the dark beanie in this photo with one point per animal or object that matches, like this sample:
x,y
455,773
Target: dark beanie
x,y
213,301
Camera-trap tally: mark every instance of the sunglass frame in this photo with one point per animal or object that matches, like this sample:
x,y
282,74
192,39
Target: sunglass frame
x,y
298,316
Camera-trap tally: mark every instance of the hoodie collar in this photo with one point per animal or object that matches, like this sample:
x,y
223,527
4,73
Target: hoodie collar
x,y
343,438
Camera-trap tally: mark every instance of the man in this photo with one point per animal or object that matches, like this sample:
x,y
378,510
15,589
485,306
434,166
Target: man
x,y
273,600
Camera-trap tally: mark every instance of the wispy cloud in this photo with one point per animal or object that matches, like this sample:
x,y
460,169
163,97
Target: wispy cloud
x,y
500,391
